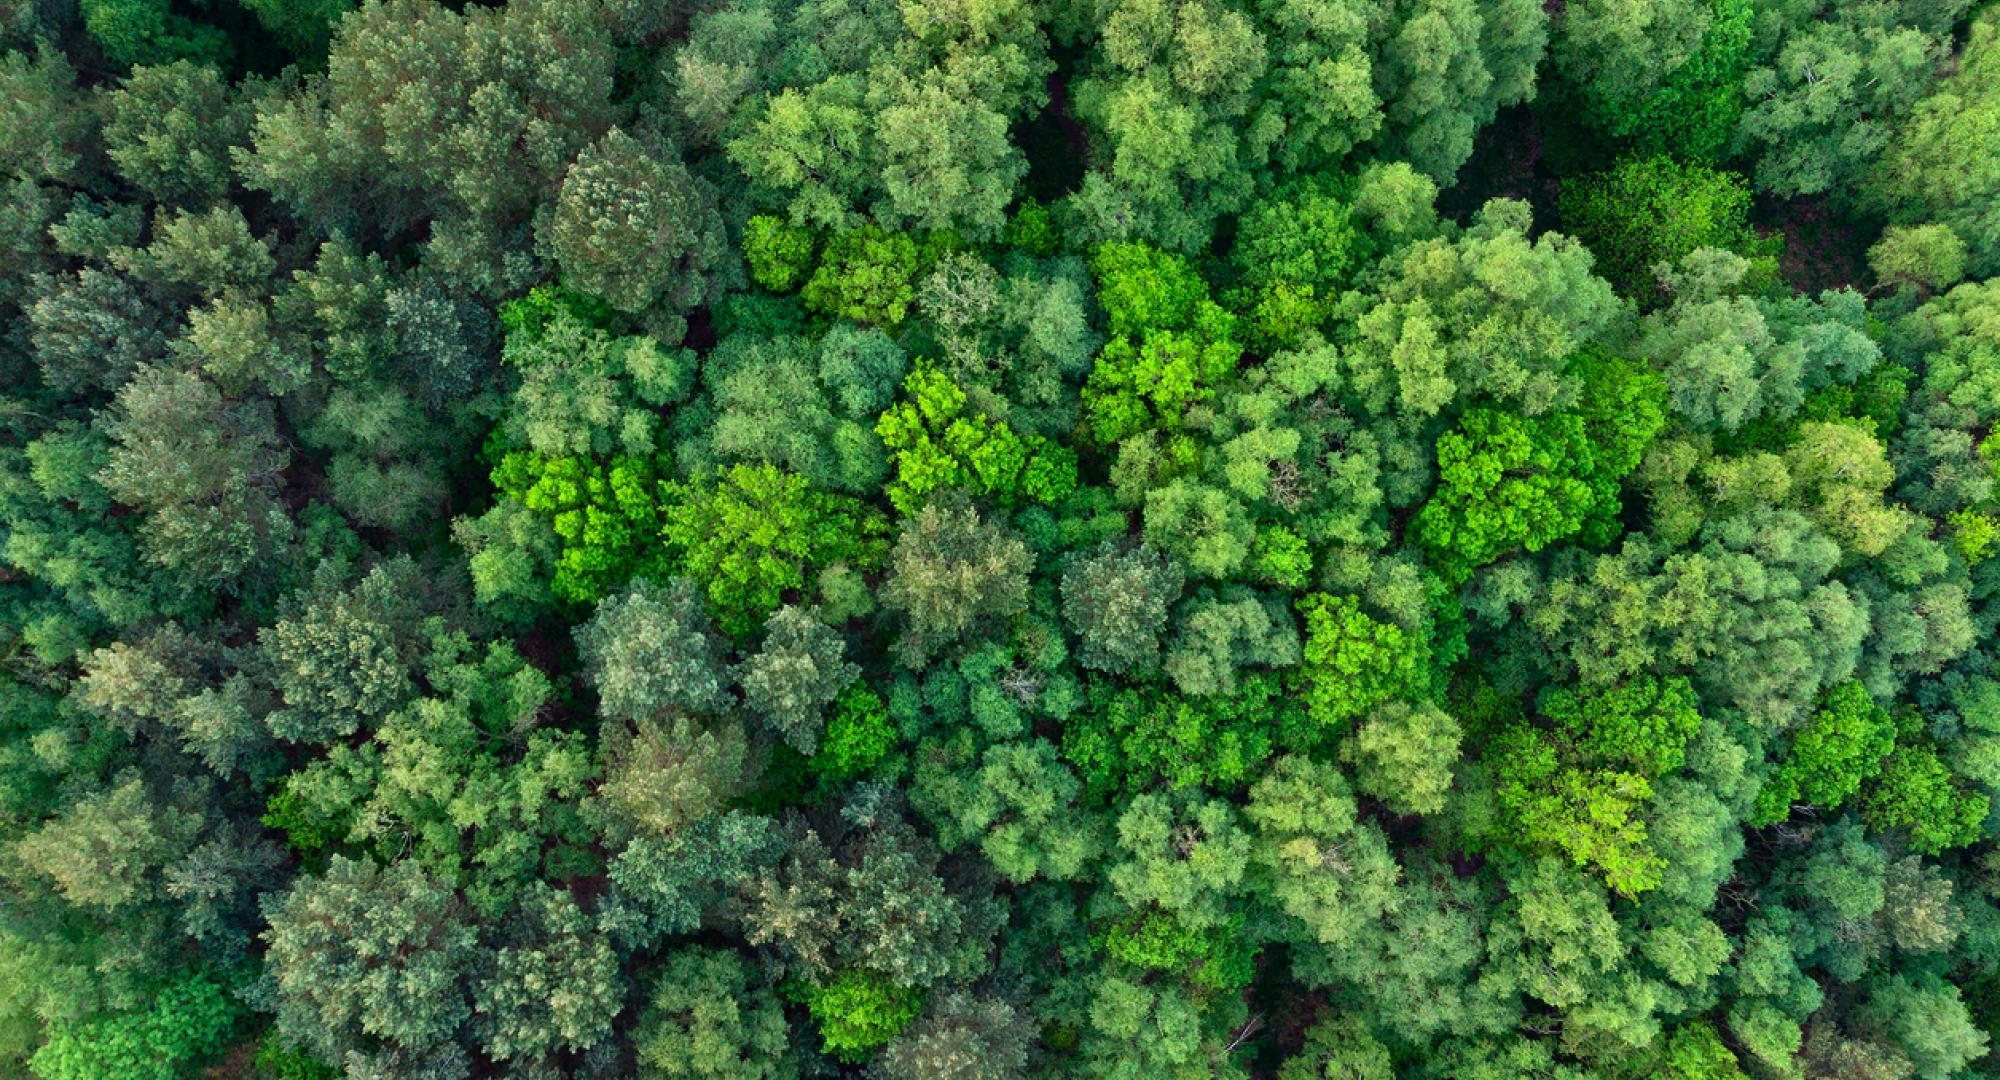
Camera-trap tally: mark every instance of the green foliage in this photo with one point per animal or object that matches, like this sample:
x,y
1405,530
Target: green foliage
x,y
584,392
277,1061
709,1016
1822,106
1506,482
1204,527
1404,756
651,649
606,518
1353,662
759,533
1975,535
546,305
553,984
953,573
1142,288
780,254
1643,725
1652,211
633,229
169,128
305,26
1938,165
1128,739
1695,1051
1339,1046
1125,571
1592,815
186,1023
370,961
1839,748
1925,256
1151,384
858,1011
203,468
938,443
867,275
1117,601
799,671
149,32
858,735
1916,792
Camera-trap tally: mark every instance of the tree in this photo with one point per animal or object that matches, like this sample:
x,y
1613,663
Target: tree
x,y
187,1022
134,32
1666,75
1652,211
584,392
305,26
1192,124
758,533
1840,472
1916,792
1594,816
953,573
961,1037
203,468
1820,111
1439,329
632,228
1840,748
1151,383
1937,166
663,885
1218,634
1730,359
1404,755
1202,526
1926,1018
1505,481
1339,1046
858,735
1185,854
1352,662
459,781
798,672
92,329
937,443
779,401
371,962
344,658
707,1015
395,118
859,1011
947,160
780,254
1643,725
1927,257
651,651
1117,601
586,528
1126,739
866,275
107,848
1323,866
662,776
1019,804
170,130
553,983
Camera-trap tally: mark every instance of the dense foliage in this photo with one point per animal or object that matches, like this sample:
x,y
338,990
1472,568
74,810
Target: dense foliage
x,y
1117,539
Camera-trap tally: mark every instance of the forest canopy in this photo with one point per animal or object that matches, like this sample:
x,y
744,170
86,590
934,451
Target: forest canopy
x,y
989,539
